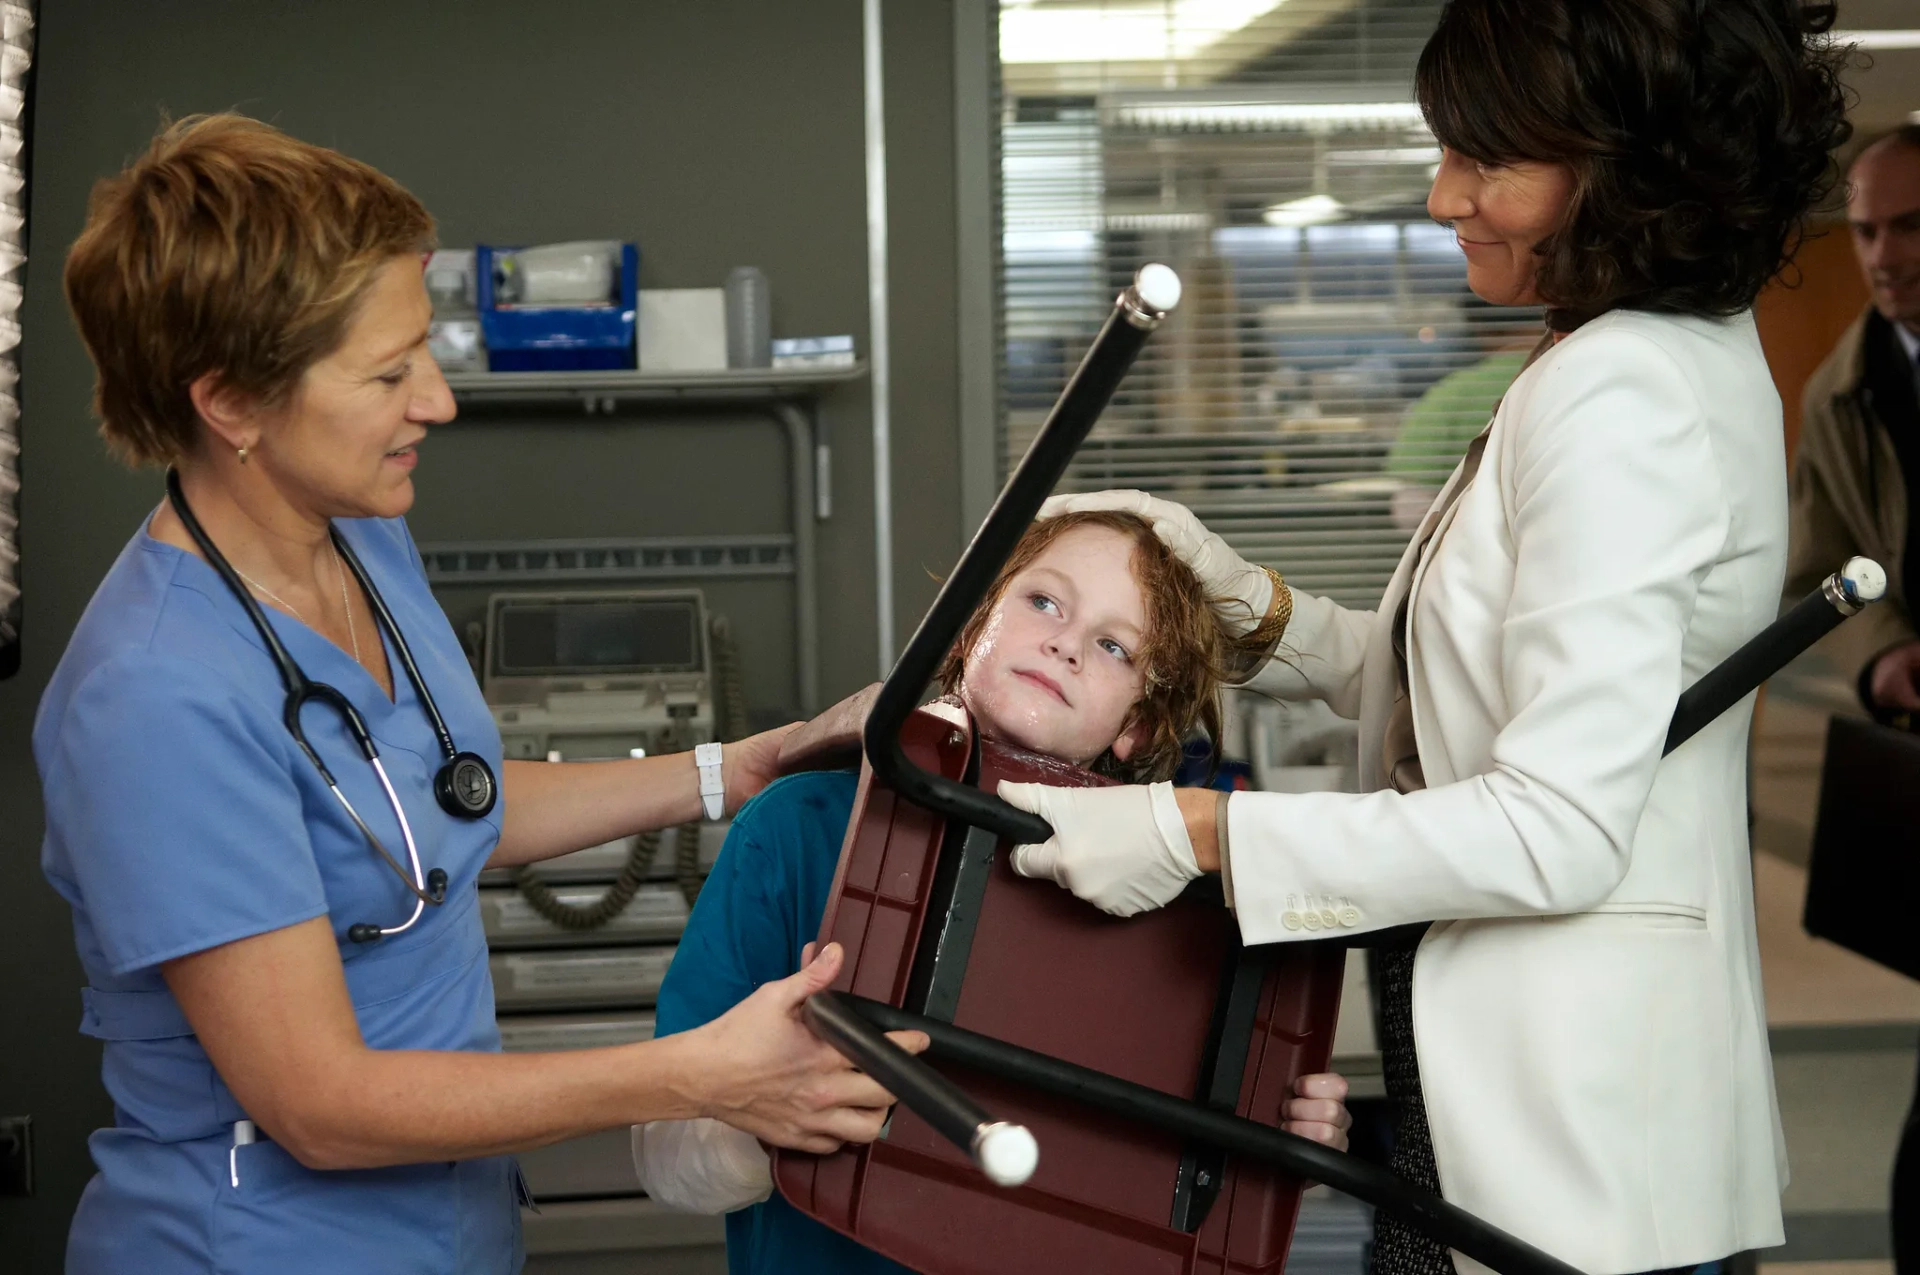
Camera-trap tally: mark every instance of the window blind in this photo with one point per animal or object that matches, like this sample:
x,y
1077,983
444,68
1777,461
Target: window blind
x,y
1327,365
16,62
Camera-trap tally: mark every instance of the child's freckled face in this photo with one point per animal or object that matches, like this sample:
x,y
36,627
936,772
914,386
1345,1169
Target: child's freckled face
x,y
1054,668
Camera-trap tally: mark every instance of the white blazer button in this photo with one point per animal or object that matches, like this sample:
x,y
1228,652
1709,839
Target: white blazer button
x,y
1349,917
1291,920
1329,918
1311,920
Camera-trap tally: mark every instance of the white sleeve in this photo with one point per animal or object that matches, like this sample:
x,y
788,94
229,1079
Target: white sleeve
x,y
1320,655
1617,514
701,1166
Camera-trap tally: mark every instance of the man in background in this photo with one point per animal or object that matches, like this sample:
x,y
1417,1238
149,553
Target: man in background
x,y
1859,452
1855,470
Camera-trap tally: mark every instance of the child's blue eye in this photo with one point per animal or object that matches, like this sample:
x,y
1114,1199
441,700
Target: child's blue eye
x,y
1114,649
1041,602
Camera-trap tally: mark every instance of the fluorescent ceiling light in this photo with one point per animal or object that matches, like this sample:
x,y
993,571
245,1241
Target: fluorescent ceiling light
x,y
1368,156
1030,244
1156,31
1310,211
1879,40
1169,220
1270,115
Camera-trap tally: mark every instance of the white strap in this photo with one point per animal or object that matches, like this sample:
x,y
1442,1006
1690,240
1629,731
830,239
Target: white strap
x,y
243,1136
713,789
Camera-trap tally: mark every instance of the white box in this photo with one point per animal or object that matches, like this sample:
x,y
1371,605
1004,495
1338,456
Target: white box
x,y
804,346
683,330
832,358
813,352
457,345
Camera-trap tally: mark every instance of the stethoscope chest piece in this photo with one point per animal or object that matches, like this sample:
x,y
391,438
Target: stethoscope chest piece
x,y
465,787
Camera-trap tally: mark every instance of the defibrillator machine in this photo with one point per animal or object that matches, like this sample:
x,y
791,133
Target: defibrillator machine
x,y
579,944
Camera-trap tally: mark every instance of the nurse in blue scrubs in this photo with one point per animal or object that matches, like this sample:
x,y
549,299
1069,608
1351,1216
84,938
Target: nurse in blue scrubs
x,y
276,911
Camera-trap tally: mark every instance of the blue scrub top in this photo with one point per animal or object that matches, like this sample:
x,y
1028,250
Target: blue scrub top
x,y
760,907
180,816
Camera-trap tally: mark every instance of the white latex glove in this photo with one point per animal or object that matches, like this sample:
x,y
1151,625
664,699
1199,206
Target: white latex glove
x,y
1224,573
1124,850
701,1166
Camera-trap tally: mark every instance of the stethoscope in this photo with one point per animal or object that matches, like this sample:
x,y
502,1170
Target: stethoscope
x,y
464,785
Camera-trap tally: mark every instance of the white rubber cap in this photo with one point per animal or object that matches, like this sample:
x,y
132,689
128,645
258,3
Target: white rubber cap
x,y
1158,286
1007,1153
1867,578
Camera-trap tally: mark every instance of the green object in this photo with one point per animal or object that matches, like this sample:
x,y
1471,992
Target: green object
x,y
1449,416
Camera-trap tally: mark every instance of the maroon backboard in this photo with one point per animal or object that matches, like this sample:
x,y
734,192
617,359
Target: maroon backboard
x,y
1147,999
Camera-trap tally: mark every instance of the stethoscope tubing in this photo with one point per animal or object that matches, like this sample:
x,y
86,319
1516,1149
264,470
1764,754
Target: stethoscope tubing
x,y
400,647
425,888
418,879
414,881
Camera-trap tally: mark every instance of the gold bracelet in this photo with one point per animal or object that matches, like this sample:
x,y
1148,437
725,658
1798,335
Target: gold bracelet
x,y
1279,612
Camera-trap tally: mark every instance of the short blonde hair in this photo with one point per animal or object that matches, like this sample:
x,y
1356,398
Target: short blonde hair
x,y
228,248
1185,655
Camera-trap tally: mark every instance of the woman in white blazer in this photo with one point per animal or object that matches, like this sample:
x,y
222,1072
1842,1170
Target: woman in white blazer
x,y
1582,1033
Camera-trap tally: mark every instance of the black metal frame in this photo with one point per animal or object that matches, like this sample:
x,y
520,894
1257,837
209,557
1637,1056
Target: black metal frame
x,y
1080,405
1236,1011
1302,1157
959,888
1769,651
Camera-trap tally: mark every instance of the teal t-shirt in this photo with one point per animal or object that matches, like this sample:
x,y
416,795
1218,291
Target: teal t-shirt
x,y
760,907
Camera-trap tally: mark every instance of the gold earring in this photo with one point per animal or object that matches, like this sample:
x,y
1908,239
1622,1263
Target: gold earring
x,y
243,455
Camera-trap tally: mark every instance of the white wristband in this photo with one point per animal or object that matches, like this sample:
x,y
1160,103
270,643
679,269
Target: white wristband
x,y
713,789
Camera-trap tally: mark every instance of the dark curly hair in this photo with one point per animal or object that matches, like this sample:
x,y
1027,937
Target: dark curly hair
x,y
1699,133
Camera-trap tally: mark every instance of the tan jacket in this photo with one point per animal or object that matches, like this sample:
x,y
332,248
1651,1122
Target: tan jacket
x,y
1848,497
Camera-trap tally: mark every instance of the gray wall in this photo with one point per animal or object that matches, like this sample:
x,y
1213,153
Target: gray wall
x,y
713,132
